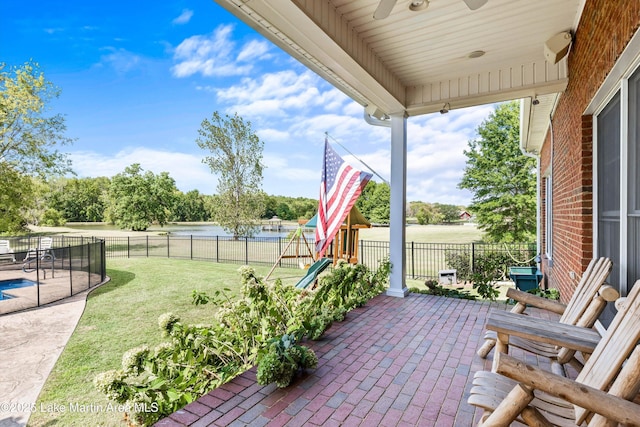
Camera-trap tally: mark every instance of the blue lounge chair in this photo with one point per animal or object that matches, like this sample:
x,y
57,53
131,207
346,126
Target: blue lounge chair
x,y
313,272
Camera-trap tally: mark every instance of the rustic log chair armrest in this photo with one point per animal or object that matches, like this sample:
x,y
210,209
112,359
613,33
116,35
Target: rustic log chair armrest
x,y
536,301
594,400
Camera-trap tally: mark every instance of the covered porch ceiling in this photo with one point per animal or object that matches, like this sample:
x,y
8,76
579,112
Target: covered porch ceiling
x,y
419,62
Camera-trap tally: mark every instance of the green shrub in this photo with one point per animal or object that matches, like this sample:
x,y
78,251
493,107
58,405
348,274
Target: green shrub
x,y
282,360
52,218
433,288
263,326
459,261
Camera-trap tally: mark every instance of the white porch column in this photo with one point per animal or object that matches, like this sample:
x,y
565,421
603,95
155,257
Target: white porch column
x,y
397,285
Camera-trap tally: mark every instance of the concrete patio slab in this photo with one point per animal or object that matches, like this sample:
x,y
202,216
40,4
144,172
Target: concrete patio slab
x,y
31,342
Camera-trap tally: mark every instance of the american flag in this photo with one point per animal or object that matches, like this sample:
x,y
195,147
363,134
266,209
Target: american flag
x,y
339,189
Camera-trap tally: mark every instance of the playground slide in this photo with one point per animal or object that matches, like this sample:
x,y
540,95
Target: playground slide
x,y
313,272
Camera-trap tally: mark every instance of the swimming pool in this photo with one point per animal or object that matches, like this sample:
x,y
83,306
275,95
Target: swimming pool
x,y
5,285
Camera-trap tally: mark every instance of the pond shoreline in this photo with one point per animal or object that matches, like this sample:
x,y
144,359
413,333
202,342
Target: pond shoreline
x,y
416,233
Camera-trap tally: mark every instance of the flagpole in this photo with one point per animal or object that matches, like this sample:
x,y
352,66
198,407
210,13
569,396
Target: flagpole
x,y
356,157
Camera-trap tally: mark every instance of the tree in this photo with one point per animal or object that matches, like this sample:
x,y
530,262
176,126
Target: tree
x,y
79,200
189,206
427,213
450,213
236,156
502,178
15,189
28,138
375,202
137,200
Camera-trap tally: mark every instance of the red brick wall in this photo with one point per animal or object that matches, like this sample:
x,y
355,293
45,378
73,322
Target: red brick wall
x,y
605,28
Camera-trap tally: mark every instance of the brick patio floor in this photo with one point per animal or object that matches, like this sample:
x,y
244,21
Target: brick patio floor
x,y
394,362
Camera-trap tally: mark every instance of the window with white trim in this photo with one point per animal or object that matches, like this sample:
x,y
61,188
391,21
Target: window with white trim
x,y
617,155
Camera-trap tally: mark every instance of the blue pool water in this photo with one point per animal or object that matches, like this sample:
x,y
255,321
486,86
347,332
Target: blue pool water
x,y
13,284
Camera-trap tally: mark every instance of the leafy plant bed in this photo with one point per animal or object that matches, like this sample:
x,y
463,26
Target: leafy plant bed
x,y
433,288
459,290
264,326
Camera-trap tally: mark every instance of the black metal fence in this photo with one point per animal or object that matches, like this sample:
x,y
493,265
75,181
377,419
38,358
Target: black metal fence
x,y
36,271
424,260
427,260
74,264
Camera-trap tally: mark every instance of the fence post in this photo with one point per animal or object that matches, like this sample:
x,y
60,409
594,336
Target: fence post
x,y
168,255
38,277
280,251
413,262
147,246
128,247
472,262
70,272
191,246
217,248
89,265
103,271
246,250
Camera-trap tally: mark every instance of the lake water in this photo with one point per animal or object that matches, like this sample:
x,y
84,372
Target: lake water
x,y
190,229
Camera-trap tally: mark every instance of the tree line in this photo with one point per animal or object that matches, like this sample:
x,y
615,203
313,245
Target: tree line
x,y
135,199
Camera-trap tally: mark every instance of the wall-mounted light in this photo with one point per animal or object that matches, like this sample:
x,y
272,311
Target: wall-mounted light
x,y
557,47
445,108
376,112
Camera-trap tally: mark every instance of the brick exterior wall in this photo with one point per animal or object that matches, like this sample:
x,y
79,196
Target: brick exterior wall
x,y
605,28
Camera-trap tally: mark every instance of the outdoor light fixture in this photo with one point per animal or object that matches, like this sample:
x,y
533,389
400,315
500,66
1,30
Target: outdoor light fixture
x,y
445,108
418,5
557,47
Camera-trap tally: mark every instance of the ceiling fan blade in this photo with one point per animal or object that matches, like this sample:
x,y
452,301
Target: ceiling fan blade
x,y
475,4
384,9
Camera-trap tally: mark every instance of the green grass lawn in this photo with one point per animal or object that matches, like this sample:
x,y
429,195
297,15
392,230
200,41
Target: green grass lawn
x,y
428,233
123,314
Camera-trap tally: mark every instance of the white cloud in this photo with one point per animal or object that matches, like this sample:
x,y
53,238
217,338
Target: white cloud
x,y
278,167
184,17
285,95
213,55
255,49
288,87
378,163
273,135
121,60
187,170
54,30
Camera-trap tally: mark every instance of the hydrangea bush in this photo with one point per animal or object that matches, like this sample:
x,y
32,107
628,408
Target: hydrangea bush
x,y
264,326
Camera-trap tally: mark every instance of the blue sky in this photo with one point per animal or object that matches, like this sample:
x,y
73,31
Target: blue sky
x,y
138,77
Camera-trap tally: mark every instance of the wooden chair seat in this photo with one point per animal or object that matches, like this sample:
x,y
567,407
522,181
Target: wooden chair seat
x,y
538,348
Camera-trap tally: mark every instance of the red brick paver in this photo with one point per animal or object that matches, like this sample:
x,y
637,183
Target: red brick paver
x,y
396,361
